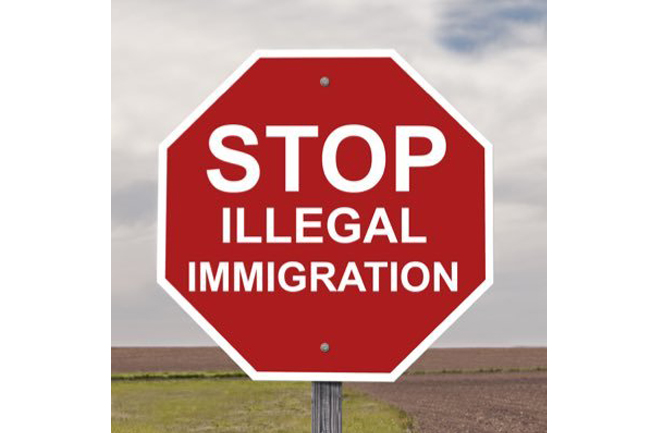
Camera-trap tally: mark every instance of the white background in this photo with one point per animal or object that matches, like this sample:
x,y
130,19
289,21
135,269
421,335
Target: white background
x,y
55,231
598,216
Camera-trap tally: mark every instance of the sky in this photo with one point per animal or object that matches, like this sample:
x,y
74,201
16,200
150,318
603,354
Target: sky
x,y
488,59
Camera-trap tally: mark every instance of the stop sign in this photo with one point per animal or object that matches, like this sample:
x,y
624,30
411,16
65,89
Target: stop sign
x,y
325,215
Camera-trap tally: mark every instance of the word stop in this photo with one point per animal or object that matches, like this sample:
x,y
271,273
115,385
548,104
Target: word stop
x,y
404,159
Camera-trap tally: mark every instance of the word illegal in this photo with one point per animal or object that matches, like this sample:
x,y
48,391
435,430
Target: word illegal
x,y
308,226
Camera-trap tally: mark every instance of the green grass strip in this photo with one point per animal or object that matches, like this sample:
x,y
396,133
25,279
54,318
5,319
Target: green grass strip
x,y
178,375
478,370
240,374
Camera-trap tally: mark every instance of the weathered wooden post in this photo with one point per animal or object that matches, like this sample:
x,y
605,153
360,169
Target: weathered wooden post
x,y
326,407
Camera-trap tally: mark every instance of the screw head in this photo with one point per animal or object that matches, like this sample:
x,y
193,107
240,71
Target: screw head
x,y
324,81
324,347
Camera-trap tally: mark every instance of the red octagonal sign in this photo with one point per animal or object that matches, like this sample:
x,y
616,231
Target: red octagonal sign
x,y
325,215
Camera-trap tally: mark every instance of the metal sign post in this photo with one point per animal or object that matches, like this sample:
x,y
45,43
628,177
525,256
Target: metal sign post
x,y
326,407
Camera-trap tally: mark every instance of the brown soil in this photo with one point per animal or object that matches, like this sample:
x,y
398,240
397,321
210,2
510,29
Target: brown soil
x,y
147,359
457,402
477,403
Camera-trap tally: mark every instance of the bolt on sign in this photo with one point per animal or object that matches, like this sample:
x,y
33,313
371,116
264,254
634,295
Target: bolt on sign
x,y
325,215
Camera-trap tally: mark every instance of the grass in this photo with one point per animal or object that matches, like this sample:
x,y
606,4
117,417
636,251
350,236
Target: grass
x,y
218,401
478,370
178,375
121,377
148,405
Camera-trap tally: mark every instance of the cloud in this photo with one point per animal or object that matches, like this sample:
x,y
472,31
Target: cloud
x,y
474,25
487,58
135,203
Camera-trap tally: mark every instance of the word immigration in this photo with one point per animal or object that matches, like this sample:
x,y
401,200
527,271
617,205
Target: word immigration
x,y
294,277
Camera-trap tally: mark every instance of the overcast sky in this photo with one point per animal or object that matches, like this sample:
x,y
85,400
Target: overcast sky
x,y
488,58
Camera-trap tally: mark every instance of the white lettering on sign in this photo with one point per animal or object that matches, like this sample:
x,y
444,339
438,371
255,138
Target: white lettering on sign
x,y
404,160
242,159
310,229
313,225
292,136
377,158
294,276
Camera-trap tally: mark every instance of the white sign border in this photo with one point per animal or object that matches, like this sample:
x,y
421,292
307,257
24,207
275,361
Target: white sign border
x,y
322,377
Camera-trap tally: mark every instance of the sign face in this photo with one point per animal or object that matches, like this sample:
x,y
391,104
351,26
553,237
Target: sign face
x,y
325,215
